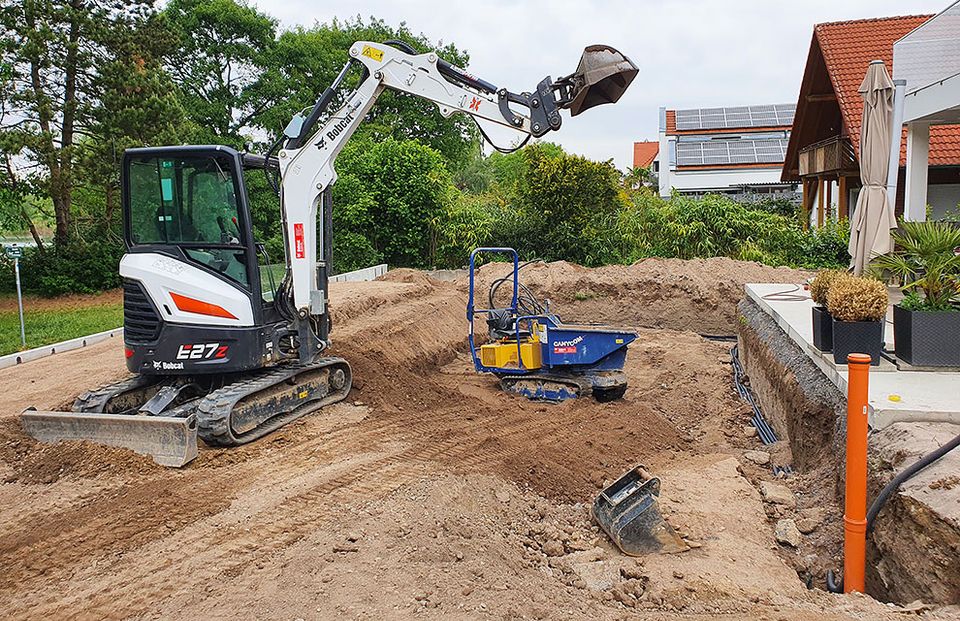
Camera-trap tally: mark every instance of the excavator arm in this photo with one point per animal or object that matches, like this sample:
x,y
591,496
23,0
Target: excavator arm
x,y
307,158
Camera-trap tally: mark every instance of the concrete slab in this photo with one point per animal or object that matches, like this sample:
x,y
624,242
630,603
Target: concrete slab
x,y
896,394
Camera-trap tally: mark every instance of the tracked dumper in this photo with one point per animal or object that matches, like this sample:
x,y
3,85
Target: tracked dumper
x,y
224,343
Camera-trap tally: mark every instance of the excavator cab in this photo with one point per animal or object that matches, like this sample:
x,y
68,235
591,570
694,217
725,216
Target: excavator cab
x,y
194,298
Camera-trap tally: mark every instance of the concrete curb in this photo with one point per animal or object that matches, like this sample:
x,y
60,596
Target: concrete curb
x,y
367,273
12,360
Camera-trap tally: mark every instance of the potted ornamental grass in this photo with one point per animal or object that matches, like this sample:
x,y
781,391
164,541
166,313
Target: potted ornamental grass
x,y
926,323
858,306
822,321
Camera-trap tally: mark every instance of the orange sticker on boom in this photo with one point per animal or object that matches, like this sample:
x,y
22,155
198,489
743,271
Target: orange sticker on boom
x,y
372,52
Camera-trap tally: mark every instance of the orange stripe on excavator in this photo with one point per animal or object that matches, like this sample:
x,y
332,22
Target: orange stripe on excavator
x,y
189,305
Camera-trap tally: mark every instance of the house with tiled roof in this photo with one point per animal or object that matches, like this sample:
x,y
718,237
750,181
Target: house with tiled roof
x,y
645,154
823,151
732,150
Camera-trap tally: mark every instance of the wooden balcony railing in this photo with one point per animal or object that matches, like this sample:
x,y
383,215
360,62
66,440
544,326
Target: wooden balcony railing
x,y
831,156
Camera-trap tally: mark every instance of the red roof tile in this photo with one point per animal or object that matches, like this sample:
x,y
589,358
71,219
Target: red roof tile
x,y
848,48
644,153
671,121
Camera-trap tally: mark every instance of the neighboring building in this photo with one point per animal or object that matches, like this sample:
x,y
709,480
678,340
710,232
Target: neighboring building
x,y
824,144
732,150
926,72
645,155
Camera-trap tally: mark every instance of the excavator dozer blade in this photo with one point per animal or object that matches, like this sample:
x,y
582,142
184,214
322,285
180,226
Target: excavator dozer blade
x,y
629,513
169,440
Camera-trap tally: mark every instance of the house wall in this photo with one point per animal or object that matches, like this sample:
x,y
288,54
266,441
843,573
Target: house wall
x,y
718,180
943,198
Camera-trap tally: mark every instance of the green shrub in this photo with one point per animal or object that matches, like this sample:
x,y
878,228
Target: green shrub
x,y
826,246
76,268
391,193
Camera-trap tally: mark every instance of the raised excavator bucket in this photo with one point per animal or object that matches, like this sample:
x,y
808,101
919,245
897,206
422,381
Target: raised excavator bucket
x,y
629,513
602,77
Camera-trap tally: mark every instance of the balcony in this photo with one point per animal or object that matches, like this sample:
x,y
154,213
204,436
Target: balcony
x,y
833,157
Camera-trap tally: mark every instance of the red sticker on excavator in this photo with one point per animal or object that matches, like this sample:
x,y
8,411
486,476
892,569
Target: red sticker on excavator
x,y
298,240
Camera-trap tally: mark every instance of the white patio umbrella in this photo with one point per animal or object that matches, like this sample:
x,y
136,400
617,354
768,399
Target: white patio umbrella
x,y
874,216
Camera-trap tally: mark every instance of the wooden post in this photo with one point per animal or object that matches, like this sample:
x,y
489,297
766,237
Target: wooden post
x,y
843,200
819,202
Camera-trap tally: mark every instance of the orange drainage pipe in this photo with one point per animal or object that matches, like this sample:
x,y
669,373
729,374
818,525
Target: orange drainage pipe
x,y
855,502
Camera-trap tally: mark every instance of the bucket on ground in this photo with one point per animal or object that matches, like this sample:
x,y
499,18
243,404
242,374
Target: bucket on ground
x,y
629,513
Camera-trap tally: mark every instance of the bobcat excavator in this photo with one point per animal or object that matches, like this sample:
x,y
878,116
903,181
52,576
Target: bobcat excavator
x,y
217,350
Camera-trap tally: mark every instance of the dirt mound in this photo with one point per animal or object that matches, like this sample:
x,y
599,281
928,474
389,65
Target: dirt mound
x,y
699,295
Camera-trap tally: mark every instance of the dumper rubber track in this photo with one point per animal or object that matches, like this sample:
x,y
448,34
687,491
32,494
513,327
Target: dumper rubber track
x,y
581,387
249,409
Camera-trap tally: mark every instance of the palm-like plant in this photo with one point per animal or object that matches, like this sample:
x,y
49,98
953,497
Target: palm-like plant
x,y
927,261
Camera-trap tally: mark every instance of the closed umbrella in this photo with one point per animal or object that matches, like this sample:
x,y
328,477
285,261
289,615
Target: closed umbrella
x,y
873,217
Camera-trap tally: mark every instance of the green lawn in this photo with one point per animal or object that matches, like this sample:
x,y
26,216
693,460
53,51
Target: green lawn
x,y
51,325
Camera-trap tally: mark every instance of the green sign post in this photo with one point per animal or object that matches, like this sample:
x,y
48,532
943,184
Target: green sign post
x,y
15,251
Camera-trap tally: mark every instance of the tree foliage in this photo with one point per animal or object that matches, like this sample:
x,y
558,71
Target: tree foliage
x,y
389,198
83,80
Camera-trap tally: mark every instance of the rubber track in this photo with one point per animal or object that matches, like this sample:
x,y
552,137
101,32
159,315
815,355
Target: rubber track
x,y
215,409
584,385
104,394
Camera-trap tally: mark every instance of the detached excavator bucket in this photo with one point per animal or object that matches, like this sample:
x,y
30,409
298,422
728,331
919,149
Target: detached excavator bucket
x,y
602,76
629,513
169,440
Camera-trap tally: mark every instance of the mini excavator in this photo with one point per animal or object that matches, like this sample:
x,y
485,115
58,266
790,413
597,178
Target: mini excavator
x,y
216,349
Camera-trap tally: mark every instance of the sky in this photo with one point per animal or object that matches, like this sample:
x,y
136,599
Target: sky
x,y
691,53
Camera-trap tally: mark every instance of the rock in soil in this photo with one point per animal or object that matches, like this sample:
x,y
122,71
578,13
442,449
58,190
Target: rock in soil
x,y
787,533
778,494
761,458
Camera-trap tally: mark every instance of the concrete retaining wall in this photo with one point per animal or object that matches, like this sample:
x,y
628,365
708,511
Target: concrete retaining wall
x,y
914,550
48,350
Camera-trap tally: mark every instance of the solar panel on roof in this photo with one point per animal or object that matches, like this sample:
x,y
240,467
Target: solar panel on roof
x,y
739,151
734,117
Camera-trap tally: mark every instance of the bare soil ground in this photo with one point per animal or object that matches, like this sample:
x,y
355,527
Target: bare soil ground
x,y
429,493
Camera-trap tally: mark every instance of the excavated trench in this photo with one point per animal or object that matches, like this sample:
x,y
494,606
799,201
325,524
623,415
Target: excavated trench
x,y
455,499
911,552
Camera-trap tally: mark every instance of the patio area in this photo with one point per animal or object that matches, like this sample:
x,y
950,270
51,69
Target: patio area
x,y
898,391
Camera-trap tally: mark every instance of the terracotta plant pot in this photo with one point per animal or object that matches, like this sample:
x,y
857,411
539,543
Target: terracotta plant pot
x,y
927,338
857,337
822,329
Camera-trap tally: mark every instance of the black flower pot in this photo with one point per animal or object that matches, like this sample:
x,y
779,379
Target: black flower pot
x,y
927,338
822,329
857,337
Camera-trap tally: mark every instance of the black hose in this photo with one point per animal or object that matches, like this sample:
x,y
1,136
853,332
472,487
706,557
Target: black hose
x,y
527,302
907,474
888,490
271,180
832,585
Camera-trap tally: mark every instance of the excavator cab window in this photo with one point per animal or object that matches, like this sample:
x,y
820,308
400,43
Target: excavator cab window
x,y
189,201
